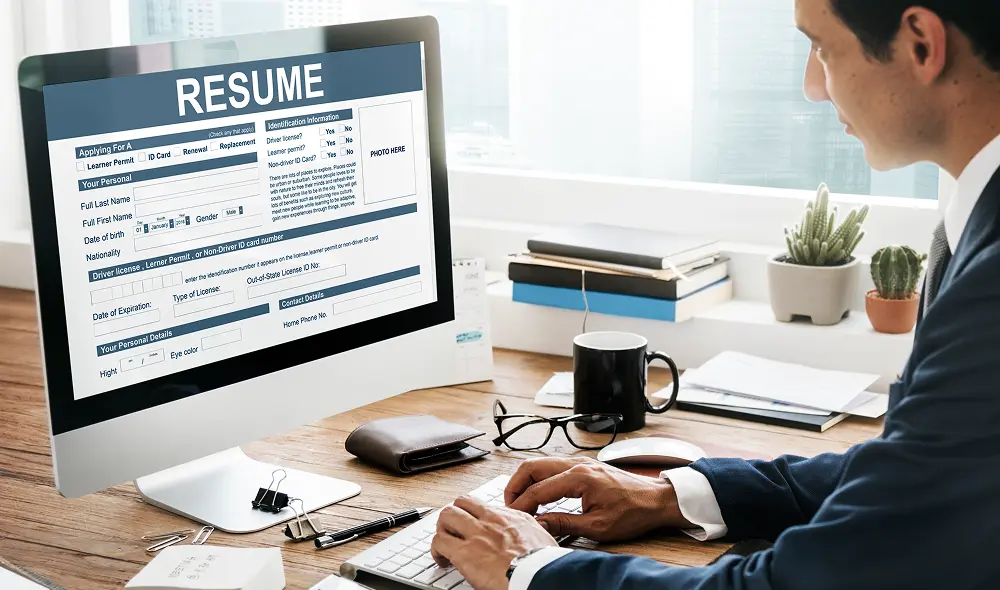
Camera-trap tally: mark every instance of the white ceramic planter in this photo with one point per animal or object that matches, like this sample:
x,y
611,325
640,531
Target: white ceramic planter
x,y
821,293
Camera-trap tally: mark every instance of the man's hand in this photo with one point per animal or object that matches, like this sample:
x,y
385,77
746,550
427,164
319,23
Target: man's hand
x,y
481,541
617,505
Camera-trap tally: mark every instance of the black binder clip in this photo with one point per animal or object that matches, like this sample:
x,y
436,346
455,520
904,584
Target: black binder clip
x,y
270,500
303,528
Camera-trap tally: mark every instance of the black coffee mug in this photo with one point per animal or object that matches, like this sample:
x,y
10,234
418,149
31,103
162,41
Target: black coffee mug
x,y
609,376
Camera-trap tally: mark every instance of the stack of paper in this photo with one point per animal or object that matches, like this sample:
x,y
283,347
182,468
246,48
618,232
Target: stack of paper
x,y
557,391
744,381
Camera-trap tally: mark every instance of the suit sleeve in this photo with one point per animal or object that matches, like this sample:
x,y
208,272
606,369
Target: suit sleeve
x,y
761,499
916,508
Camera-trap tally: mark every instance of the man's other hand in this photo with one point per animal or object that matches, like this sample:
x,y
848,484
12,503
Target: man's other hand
x,y
481,541
617,505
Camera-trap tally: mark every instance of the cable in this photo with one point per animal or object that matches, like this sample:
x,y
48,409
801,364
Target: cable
x,y
586,304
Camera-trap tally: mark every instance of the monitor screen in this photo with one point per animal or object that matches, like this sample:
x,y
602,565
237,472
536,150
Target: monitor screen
x,y
209,213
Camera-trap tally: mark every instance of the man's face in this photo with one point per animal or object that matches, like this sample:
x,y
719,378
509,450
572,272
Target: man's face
x,y
880,103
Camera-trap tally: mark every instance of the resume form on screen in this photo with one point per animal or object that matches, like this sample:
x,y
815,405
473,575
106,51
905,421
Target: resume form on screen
x,y
207,213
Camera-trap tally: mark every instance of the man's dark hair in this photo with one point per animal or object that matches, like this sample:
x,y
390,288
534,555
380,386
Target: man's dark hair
x,y
876,23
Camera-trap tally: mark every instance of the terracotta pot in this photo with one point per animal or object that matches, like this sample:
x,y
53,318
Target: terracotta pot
x,y
892,316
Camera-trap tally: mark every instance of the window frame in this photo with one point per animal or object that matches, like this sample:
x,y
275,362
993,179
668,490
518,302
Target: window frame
x,y
735,214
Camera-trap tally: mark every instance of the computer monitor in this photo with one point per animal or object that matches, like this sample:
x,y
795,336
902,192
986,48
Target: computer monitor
x,y
233,237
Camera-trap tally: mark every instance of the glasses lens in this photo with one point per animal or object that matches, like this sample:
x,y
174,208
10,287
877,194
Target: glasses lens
x,y
525,433
595,431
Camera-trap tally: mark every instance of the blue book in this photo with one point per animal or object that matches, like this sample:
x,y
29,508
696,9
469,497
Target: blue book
x,y
627,305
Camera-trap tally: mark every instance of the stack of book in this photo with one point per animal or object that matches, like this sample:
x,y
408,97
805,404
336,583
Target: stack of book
x,y
622,271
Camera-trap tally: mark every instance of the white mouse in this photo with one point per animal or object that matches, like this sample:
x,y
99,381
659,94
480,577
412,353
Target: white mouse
x,y
657,451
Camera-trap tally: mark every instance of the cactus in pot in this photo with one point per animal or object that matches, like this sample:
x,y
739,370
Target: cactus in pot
x,y
896,271
817,277
815,242
893,306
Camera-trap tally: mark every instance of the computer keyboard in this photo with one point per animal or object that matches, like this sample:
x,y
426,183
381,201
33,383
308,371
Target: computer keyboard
x,y
405,557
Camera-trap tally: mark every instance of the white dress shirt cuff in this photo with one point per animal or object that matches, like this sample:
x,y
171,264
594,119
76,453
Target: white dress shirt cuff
x,y
526,570
697,503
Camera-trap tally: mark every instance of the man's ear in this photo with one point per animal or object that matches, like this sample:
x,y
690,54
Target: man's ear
x,y
923,42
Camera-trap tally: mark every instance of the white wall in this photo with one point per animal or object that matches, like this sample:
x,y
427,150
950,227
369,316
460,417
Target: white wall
x,y
14,194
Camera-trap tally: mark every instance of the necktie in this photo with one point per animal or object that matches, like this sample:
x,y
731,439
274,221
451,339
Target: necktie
x,y
937,264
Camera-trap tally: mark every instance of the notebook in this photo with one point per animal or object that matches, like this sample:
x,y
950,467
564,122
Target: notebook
x,y
626,305
528,270
810,422
622,245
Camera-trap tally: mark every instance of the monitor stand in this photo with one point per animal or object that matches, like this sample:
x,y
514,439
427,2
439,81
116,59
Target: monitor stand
x,y
218,490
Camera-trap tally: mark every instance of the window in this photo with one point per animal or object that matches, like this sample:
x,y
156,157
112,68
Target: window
x,y
707,91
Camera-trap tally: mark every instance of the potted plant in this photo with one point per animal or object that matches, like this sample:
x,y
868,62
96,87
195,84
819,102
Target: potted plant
x,y
818,276
893,305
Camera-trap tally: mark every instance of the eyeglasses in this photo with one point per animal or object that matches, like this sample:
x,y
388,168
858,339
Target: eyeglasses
x,y
528,432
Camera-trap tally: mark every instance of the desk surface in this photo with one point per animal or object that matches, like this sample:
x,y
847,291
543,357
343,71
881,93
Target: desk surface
x,y
94,543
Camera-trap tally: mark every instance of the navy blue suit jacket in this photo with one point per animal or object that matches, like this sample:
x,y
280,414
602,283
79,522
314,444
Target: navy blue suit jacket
x,y
918,507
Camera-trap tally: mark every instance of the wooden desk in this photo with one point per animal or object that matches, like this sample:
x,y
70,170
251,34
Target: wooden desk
x,y
93,542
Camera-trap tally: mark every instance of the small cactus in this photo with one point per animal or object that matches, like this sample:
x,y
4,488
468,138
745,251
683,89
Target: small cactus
x,y
815,242
896,270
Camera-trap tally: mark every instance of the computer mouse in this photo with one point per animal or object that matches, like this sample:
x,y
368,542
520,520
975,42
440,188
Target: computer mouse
x,y
656,450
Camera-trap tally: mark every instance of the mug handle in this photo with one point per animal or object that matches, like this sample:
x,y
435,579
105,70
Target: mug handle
x,y
652,356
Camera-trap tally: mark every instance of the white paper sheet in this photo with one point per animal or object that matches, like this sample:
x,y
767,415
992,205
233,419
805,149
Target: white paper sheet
x,y
866,405
702,396
557,391
749,376
11,581
869,405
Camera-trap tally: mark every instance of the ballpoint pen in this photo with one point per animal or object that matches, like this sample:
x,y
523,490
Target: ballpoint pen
x,y
337,538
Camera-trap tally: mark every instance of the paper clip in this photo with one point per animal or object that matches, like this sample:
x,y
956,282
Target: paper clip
x,y
270,500
167,543
202,537
162,536
303,528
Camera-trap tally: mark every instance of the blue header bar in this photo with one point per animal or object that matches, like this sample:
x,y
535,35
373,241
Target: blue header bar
x,y
302,121
247,243
88,184
145,143
348,287
182,330
81,109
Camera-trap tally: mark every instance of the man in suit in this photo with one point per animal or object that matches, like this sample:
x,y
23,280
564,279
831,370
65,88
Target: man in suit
x,y
918,507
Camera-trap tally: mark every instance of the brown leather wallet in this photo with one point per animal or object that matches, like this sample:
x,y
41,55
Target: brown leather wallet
x,y
413,443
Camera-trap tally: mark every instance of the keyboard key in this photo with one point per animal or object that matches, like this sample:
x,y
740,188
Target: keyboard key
x,y
414,553
388,567
423,547
400,560
464,586
384,553
409,571
559,510
450,581
481,495
373,562
573,504
424,562
433,574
